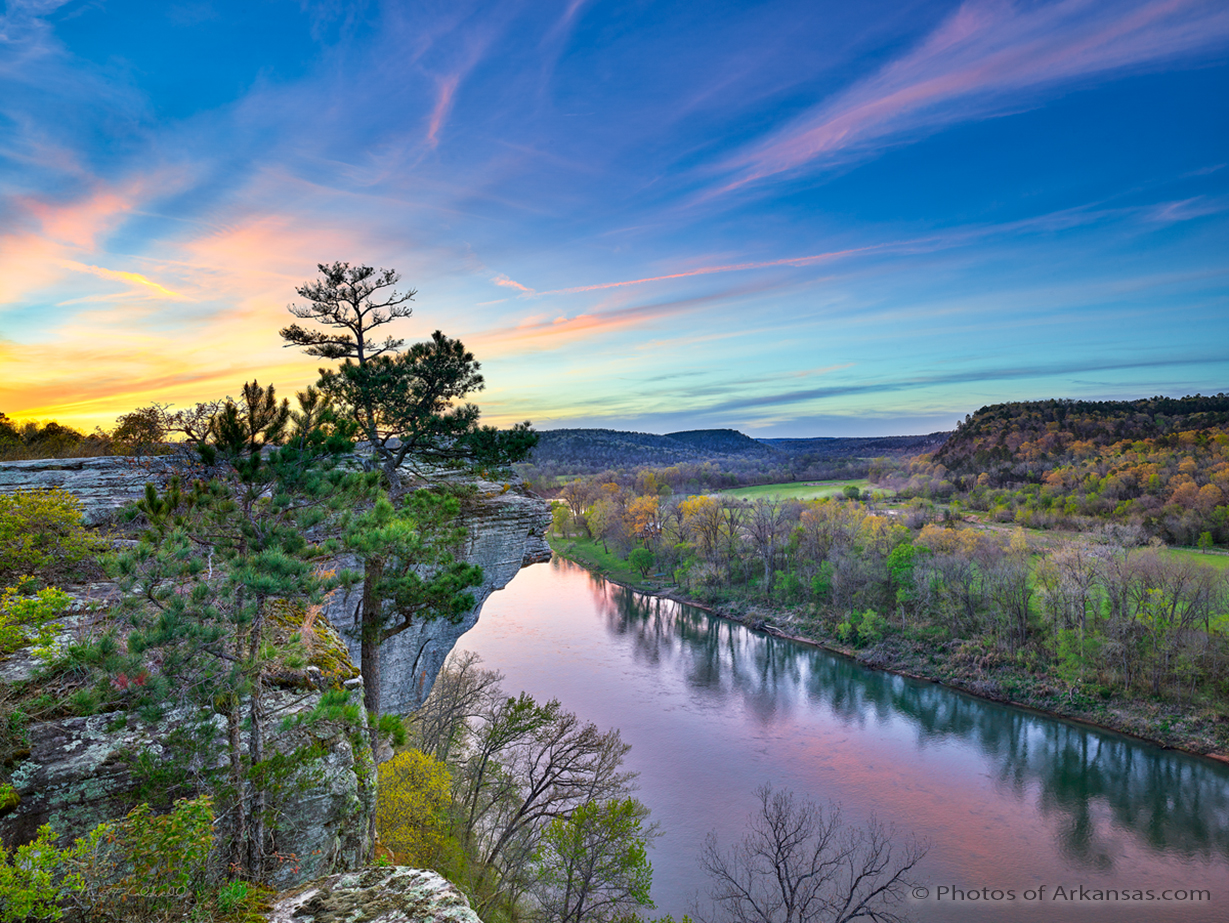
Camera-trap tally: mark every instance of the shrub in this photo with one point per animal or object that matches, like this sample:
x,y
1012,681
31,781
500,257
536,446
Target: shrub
x,y
28,888
41,534
144,867
25,619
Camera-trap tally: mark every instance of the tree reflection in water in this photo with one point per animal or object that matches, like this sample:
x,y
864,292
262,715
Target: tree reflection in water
x,y
1171,801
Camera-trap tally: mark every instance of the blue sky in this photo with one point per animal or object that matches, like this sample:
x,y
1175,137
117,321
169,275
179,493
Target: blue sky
x,y
790,218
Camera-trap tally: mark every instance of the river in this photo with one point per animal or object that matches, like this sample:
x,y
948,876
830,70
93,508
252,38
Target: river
x,y
1009,800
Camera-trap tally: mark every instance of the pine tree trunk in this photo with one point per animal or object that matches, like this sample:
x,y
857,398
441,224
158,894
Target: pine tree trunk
x,y
369,660
256,745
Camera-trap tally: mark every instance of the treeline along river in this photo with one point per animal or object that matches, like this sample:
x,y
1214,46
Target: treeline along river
x,y
1010,800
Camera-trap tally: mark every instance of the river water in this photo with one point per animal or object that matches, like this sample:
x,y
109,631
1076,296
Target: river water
x,y
1009,800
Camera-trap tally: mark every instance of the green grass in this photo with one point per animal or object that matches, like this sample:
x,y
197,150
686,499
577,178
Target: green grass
x,y
803,490
591,555
1213,559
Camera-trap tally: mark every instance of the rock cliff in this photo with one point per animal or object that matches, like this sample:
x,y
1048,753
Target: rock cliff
x,y
103,485
76,772
506,532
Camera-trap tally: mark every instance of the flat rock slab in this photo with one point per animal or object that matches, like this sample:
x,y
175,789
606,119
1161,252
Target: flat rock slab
x,y
375,895
103,485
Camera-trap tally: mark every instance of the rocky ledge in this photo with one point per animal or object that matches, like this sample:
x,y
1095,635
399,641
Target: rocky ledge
x,y
507,528
103,485
375,895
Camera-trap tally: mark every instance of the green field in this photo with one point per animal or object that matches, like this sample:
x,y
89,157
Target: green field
x,y
1218,560
802,490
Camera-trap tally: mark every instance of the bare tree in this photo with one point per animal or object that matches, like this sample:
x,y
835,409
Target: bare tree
x,y
462,693
767,527
799,863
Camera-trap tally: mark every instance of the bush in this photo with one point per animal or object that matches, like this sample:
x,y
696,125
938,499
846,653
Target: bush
x,y
144,867
25,619
28,888
41,535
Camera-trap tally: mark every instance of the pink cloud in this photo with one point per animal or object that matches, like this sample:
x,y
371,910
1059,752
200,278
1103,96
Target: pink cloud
x,y
983,60
443,105
43,235
503,280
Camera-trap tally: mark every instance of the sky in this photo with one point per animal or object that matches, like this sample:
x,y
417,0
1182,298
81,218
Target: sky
x,y
788,218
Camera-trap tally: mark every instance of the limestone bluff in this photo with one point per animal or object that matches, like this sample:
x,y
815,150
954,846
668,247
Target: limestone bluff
x,y
74,774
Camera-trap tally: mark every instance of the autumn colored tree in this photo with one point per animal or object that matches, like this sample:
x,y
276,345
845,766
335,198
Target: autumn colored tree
x,y
412,798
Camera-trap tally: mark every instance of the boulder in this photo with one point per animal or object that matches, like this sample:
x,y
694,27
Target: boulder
x,y
375,895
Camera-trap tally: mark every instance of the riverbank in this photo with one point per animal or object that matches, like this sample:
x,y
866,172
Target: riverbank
x,y
973,667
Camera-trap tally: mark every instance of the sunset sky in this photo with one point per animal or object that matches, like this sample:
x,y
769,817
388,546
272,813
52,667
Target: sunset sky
x,y
790,218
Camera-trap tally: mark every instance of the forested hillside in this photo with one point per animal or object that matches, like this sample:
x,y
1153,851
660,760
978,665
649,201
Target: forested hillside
x,y
1159,463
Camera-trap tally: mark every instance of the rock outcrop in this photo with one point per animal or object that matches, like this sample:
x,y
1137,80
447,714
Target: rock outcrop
x,y
507,532
103,485
507,529
375,895
74,773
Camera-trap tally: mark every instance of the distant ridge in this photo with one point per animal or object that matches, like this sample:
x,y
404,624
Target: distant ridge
x,y
721,441
595,449
859,446
589,450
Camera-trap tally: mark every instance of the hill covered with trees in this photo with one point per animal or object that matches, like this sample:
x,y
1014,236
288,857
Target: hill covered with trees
x,y
1159,463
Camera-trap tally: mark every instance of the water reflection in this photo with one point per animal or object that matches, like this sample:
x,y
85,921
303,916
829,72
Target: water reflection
x,y
1078,777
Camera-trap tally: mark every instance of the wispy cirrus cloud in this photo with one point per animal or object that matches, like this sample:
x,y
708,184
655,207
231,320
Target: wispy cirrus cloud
x,y
443,106
118,275
505,282
986,59
810,260
551,333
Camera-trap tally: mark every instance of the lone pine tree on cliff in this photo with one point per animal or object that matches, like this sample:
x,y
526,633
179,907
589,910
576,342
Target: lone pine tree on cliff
x,y
407,404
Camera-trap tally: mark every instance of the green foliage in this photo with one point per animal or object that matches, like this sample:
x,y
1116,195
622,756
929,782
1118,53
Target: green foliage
x,y
593,864
641,559
862,630
1078,654
392,729
144,866
28,880
232,896
9,798
821,583
871,627
41,535
412,800
26,619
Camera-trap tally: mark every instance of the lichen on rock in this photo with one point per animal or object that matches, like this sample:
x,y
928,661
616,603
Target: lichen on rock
x,y
375,895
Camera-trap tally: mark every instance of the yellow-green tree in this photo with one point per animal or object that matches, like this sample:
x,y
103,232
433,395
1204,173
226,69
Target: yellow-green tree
x,y
411,804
